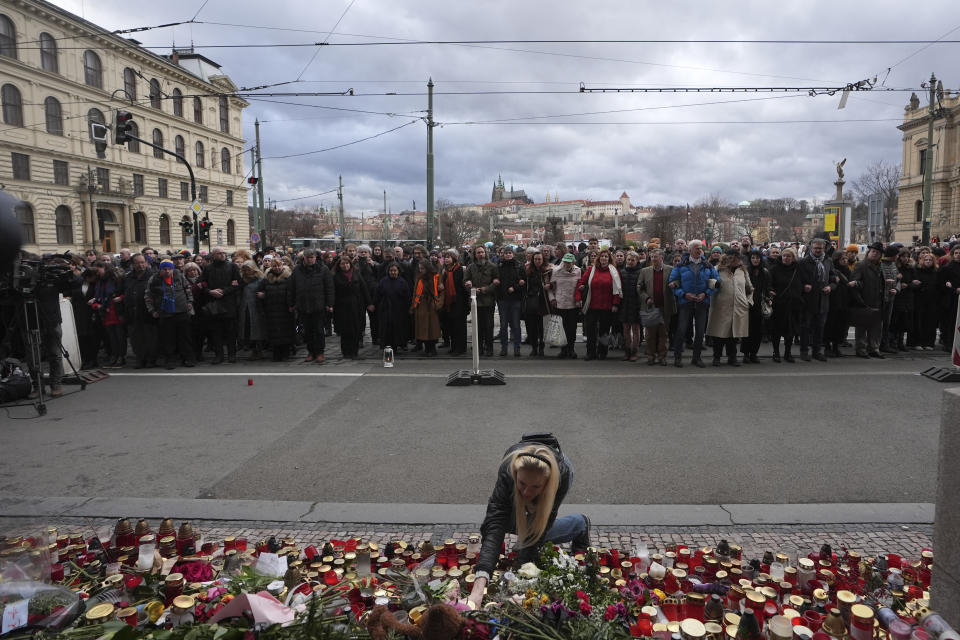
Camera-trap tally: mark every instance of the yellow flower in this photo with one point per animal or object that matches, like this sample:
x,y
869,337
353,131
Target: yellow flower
x,y
530,594
660,594
529,603
544,599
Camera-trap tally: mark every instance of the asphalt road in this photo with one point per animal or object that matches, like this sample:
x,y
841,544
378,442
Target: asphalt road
x,y
844,431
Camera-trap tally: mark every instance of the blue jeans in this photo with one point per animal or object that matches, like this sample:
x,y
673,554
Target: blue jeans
x,y
685,312
509,319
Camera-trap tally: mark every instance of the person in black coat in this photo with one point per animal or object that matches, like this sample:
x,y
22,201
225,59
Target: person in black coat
x,y
276,298
630,306
867,292
311,289
221,281
760,279
819,279
456,303
352,302
536,302
533,479
925,304
368,270
391,303
786,289
948,286
836,330
82,291
903,304
141,325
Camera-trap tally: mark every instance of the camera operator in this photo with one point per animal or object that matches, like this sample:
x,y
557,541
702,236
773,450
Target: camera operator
x,y
52,276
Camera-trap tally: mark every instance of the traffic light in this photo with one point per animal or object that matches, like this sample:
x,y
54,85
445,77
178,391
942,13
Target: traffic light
x,y
122,127
253,181
98,132
204,228
187,226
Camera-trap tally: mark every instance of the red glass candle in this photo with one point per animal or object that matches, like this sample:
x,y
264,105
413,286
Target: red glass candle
x,y
56,572
240,544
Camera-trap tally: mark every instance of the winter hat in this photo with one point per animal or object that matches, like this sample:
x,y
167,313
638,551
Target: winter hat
x,y
166,262
853,247
717,249
891,252
568,257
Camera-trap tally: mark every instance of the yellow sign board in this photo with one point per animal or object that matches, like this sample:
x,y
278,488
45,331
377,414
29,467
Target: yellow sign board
x,y
831,221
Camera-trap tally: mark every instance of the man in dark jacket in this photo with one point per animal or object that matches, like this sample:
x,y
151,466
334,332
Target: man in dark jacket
x,y
141,324
221,280
311,294
867,295
368,269
818,277
509,299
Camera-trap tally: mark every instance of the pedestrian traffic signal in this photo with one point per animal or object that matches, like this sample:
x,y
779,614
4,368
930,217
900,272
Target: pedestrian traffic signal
x,y
187,226
204,228
122,127
253,181
98,132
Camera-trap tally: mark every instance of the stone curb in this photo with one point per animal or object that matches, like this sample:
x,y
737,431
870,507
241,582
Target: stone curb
x,y
433,514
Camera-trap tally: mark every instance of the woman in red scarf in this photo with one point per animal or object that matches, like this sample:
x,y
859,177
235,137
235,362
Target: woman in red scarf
x,y
456,303
427,302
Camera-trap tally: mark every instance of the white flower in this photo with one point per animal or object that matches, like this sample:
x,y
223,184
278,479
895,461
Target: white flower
x,y
508,576
529,570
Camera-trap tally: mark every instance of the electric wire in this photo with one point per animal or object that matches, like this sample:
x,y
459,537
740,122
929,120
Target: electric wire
x,y
340,146
325,40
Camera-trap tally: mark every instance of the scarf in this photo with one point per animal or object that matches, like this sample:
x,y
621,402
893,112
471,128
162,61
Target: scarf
x,y
168,302
821,274
418,295
449,289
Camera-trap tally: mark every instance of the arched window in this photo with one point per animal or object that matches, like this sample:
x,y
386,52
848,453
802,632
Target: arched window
x,y
92,69
139,227
8,37
197,111
48,53
54,114
164,229
178,103
155,93
94,115
158,140
231,233
183,231
225,160
24,213
224,115
200,158
918,209
130,84
180,146
133,145
64,225
12,105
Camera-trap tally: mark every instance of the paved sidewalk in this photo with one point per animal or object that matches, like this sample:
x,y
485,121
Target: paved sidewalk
x,y
869,538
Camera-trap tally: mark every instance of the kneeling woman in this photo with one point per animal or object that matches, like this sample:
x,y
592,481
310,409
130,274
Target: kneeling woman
x,y
532,482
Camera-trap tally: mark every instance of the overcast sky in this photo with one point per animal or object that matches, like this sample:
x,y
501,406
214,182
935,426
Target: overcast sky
x,y
659,148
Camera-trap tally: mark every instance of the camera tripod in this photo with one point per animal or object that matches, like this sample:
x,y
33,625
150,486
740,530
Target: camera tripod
x,y
33,341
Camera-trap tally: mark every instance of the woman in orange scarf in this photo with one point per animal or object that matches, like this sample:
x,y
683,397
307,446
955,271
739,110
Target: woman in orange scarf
x,y
427,301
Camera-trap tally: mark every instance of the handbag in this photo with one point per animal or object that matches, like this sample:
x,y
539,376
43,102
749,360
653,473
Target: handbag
x,y
766,307
651,317
553,330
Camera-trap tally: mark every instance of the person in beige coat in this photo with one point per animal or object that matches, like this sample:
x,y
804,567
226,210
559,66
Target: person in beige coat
x,y
654,292
730,308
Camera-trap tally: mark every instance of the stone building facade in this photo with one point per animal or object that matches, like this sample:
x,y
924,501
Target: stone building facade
x,y
945,201
59,73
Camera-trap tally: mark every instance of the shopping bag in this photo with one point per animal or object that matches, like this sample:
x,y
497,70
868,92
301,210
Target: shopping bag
x,y
651,316
553,330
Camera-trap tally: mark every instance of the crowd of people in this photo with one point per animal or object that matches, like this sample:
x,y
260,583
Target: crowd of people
x,y
145,310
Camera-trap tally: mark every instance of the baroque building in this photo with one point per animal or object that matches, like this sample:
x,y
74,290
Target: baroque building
x,y
58,74
944,163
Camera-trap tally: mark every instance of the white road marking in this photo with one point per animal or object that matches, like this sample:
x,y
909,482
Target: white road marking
x,y
377,374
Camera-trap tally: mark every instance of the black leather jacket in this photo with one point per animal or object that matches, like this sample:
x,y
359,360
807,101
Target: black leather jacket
x,y
500,518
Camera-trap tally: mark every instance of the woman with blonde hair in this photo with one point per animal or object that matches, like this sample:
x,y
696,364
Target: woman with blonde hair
x,y
533,480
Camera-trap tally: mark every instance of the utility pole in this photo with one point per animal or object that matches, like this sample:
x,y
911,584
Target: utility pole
x,y
430,126
262,217
340,197
256,205
384,238
928,164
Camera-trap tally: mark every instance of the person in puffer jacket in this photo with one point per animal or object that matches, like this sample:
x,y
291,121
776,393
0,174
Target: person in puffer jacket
x,y
694,282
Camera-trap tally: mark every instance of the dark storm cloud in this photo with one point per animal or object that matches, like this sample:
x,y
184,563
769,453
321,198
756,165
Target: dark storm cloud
x,y
635,146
